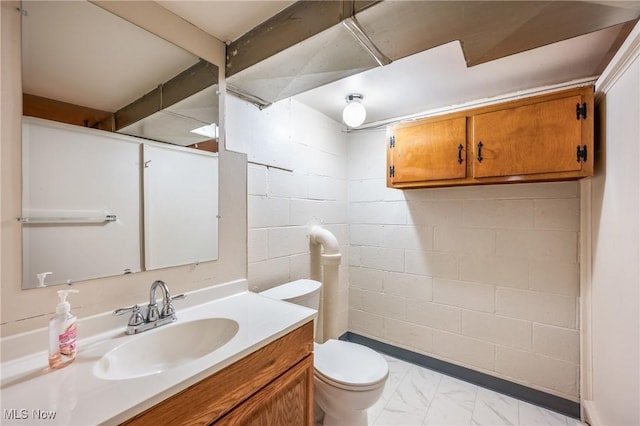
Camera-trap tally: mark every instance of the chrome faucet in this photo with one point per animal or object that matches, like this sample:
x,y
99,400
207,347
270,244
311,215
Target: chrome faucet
x,y
152,312
154,317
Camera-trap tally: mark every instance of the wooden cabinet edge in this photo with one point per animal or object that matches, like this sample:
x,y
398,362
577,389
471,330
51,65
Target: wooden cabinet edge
x,y
389,162
549,177
50,109
213,397
586,91
588,134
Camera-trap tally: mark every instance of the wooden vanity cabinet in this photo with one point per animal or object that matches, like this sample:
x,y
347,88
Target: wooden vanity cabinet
x,y
542,138
283,402
272,386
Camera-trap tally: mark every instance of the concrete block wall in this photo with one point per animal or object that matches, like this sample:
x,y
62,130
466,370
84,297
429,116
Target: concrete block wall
x,y
304,182
485,277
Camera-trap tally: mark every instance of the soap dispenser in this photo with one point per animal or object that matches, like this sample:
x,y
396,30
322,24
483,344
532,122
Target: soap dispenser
x,y
62,333
41,278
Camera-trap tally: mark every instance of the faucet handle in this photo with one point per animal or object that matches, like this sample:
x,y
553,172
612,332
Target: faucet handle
x,y
167,308
136,317
152,313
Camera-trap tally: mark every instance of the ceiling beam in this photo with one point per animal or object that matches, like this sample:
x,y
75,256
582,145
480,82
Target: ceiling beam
x,y
293,25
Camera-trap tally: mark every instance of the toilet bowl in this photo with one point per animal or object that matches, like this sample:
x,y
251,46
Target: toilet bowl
x,y
348,377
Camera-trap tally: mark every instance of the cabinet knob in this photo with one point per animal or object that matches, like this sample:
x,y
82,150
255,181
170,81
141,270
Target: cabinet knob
x,y
460,148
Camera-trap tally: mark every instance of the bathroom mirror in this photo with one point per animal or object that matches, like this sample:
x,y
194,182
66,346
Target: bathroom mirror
x,y
84,66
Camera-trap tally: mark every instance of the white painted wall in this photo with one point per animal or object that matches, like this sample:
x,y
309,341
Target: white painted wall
x,y
613,393
485,276
297,175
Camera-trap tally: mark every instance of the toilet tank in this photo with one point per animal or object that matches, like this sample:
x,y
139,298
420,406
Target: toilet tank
x,y
303,292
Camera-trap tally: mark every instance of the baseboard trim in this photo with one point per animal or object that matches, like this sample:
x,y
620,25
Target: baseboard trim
x,y
591,415
515,390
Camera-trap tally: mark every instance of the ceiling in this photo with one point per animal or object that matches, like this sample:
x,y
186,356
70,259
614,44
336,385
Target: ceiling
x,y
79,54
321,70
103,69
439,78
226,20
434,78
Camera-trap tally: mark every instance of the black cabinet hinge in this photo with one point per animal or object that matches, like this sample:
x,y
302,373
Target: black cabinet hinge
x,y
581,111
392,171
392,142
581,153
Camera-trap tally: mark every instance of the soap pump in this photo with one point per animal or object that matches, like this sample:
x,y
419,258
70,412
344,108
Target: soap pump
x,y
41,278
62,333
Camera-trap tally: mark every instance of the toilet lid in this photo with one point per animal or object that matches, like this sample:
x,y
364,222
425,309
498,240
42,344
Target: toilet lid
x,y
349,364
290,291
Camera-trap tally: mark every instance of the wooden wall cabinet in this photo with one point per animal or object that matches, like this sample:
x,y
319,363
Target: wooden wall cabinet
x,y
427,151
272,386
542,138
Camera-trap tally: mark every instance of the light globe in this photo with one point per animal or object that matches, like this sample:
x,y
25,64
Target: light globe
x,y
354,113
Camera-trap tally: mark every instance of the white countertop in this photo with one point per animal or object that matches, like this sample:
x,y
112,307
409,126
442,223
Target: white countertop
x,y
31,393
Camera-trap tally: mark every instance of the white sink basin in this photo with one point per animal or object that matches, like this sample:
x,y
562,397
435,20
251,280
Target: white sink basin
x,y
165,348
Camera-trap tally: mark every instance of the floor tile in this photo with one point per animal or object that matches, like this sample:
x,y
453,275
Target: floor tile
x,y
414,395
494,409
390,417
531,415
397,371
411,400
453,403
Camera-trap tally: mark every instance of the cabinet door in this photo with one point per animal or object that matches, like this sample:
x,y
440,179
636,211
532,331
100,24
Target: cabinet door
x,y
429,151
536,138
258,377
287,400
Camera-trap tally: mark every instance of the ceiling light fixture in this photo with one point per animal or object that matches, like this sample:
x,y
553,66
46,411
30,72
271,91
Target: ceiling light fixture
x,y
354,113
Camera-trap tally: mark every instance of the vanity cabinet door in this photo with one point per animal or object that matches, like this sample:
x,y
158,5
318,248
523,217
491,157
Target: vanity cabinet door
x,y
287,400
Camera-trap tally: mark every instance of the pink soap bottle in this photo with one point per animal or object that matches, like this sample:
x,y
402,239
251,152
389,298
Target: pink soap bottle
x,y
62,333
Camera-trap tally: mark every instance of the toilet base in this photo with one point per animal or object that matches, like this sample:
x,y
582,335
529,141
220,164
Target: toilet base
x,y
355,418
318,414
341,407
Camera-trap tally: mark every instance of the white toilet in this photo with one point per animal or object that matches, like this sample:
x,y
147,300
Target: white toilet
x,y
349,378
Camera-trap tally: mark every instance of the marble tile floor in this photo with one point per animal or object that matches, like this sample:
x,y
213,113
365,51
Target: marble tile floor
x,y
418,396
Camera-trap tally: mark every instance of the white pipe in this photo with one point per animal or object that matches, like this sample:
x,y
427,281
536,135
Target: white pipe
x,y
326,239
330,259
